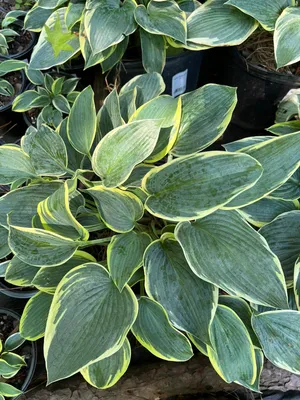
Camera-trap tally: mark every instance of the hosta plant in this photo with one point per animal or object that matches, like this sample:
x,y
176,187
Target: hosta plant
x,y
7,32
129,196
101,31
52,96
10,364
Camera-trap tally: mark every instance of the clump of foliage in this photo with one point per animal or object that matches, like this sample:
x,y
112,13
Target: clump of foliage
x,y
70,27
7,34
10,364
53,96
129,196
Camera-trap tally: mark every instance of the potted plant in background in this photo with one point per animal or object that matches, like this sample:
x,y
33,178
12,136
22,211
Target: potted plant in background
x,y
16,42
128,189
48,98
13,83
132,33
17,357
265,66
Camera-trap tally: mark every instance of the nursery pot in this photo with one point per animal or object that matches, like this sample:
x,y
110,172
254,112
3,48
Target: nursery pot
x,y
11,122
259,91
13,318
26,52
180,74
16,291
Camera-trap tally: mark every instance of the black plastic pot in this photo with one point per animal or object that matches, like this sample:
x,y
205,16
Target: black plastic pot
x,y
16,292
181,72
259,91
33,360
26,53
10,122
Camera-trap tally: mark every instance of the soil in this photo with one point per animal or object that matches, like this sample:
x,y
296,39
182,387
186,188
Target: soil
x,y
15,78
32,115
20,43
7,5
259,50
9,325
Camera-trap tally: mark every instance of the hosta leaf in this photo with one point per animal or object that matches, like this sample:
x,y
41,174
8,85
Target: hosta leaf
x,y
286,37
56,216
246,142
109,116
154,331
101,316
56,43
61,103
74,14
122,149
282,236
128,104
19,273
243,311
167,111
290,190
137,175
115,54
13,342
265,13
189,301
232,353
194,186
118,209
284,128
106,373
8,390
4,247
217,24
48,278
138,276
153,51
201,124
278,332
82,130
11,65
6,369
162,18
297,283
249,270
34,316
279,158
50,3
47,151
52,248
20,168
3,268
125,255
148,87
91,221
13,359
29,197
25,100
201,346
75,159
265,210
116,20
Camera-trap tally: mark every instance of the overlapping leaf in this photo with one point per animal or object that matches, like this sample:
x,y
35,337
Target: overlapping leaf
x,y
224,250
99,330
